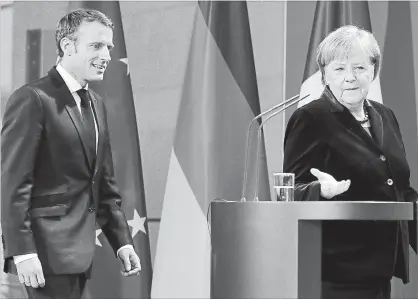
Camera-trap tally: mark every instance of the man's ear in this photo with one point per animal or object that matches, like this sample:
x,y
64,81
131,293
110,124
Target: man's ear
x,y
67,46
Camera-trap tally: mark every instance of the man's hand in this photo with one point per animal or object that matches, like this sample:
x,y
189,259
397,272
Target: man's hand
x,y
330,187
130,262
30,273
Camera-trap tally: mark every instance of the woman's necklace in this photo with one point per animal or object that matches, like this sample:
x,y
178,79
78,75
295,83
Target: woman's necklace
x,y
366,116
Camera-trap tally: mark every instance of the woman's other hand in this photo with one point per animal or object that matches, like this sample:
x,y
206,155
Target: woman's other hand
x,y
330,187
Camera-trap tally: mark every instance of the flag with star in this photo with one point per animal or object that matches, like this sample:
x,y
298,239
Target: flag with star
x,y
330,15
116,91
219,100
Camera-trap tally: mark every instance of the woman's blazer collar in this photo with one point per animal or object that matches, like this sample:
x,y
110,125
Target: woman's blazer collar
x,y
348,120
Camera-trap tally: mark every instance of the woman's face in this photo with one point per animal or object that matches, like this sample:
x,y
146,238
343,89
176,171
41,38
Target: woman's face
x,y
349,79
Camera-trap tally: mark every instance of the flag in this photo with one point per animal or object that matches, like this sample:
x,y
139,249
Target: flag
x,y
398,85
219,100
116,91
330,15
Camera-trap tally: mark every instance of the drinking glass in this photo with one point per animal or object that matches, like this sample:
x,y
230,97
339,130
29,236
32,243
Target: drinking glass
x,y
284,185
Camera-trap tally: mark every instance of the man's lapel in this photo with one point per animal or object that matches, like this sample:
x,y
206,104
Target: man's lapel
x,y
70,105
99,114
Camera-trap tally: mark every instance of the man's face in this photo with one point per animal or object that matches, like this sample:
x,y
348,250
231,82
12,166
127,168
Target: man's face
x,y
91,52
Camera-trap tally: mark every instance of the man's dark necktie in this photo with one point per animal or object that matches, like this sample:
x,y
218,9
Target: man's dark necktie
x,y
88,122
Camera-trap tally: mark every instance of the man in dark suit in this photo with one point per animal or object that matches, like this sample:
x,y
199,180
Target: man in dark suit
x,y
57,169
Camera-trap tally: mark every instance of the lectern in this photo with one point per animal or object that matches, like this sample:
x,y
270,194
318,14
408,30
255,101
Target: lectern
x,y
273,249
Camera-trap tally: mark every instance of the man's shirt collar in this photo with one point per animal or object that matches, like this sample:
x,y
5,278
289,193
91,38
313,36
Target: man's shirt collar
x,y
69,80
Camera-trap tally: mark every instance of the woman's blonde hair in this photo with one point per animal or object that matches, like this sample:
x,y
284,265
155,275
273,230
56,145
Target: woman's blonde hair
x,y
339,43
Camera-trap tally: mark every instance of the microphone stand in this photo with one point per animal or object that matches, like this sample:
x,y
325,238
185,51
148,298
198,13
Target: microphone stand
x,y
257,177
244,182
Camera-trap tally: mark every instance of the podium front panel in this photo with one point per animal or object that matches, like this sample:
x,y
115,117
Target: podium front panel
x,y
273,249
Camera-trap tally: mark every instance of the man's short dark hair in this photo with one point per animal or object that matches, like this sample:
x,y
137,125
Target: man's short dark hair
x,y
69,24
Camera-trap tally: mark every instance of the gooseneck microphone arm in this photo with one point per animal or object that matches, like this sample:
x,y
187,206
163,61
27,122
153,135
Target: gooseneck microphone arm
x,y
244,182
257,177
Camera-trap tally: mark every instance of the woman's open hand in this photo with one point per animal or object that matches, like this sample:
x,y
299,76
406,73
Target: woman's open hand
x,y
330,187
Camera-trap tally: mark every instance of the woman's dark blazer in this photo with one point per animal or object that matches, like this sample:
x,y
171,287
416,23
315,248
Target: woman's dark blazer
x,y
323,134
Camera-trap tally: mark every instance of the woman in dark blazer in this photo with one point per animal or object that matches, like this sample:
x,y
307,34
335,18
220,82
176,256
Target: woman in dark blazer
x,y
344,147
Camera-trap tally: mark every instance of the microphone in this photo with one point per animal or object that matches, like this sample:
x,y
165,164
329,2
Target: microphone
x,y
244,182
292,101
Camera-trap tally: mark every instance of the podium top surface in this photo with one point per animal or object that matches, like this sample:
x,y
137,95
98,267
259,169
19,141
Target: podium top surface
x,y
322,210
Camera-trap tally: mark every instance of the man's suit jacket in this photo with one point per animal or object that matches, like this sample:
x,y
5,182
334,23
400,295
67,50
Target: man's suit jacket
x,y
324,135
51,196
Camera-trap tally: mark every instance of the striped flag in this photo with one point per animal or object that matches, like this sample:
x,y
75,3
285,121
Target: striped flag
x,y
399,88
330,15
219,100
116,91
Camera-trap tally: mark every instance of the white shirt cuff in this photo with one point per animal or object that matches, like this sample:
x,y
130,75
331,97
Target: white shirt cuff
x,y
20,258
125,246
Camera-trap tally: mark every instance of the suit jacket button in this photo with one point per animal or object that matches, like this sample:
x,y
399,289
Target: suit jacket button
x,y
92,209
383,158
389,182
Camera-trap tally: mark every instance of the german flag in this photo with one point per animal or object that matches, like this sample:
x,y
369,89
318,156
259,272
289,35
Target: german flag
x,y
219,100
